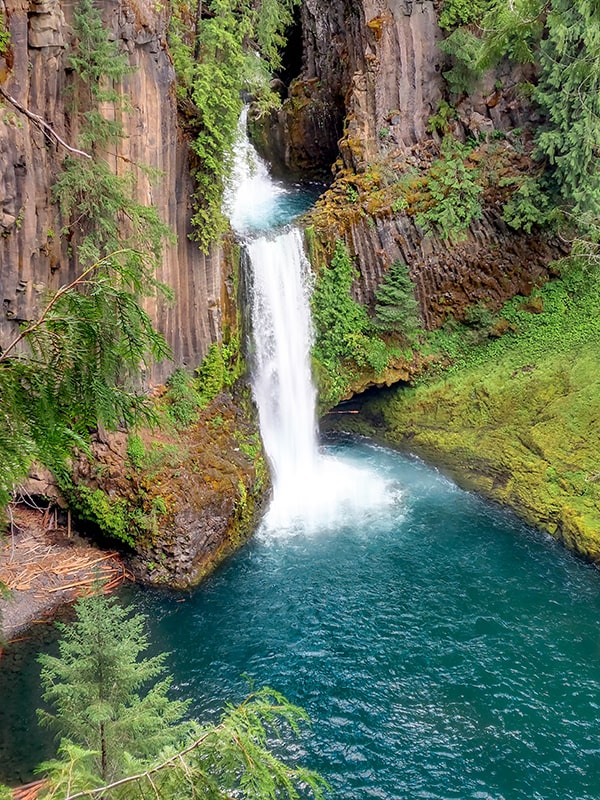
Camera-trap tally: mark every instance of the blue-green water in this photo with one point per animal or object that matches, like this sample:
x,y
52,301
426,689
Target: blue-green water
x,y
441,648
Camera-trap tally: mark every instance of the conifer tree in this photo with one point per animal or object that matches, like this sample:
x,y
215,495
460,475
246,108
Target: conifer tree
x,y
121,737
101,689
569,94
396,308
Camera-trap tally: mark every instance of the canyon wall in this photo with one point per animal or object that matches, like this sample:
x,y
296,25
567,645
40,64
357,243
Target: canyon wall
x,y
373,74
33,257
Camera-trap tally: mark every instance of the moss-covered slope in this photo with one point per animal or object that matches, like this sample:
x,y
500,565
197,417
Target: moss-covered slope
x,y
518,418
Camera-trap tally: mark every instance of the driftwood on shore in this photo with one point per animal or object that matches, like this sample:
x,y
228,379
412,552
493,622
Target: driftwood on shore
x,y
29,791
43,569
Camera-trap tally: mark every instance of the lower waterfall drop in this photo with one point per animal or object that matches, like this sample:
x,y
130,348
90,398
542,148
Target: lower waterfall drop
x,y
310,490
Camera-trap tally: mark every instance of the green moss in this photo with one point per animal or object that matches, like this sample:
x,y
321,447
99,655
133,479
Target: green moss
x,y
517,418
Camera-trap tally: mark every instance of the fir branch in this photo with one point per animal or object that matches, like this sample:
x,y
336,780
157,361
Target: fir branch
x,y
55,298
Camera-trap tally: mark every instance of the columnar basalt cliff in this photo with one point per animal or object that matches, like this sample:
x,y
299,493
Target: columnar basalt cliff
x,y
373,72
33,257
211,503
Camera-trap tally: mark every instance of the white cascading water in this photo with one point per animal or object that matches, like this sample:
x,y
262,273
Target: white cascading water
x,y
310,490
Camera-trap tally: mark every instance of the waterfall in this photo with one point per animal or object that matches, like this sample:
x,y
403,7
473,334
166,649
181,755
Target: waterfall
x,y
310,490
283,387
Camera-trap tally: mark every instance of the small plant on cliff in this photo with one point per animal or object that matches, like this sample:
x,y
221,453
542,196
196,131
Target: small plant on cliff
x,y
4,35
461,12
121,736
182,398
454,194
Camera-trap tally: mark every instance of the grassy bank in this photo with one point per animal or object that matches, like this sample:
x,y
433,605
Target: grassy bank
x,y
517,418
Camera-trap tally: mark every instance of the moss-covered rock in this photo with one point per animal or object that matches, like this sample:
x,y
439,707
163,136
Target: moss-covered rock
x,y
181,500
526,436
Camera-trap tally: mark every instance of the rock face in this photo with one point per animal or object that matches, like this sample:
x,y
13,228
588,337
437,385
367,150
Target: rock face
x,y
376,67
200,502
367,66
32,257
187,499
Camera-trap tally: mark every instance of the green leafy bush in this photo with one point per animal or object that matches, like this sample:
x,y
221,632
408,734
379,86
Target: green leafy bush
x,y
461,12
453,200
345,336
182,398
4,37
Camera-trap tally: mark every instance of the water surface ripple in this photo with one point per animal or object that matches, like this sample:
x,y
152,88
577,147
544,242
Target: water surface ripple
x,y
442,649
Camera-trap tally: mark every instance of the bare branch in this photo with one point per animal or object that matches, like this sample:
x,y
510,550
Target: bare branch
x,y
43,125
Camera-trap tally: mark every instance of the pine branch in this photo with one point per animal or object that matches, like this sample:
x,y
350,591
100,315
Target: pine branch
x,y
42,318
149,772
43,125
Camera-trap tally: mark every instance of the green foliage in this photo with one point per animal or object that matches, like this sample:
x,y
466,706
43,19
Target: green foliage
x,y
105,697
461,12
121,737
454,194
529,206
396,309
510,30
568,93
464,49
4,35
96,58
234,47
570,318
136,451
220,369
182,398
72,368
99,207
344,334
272,18
339,319
440,121
110,514
211,374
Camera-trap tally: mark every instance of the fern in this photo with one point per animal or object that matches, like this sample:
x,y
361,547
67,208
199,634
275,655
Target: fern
x,y
454,196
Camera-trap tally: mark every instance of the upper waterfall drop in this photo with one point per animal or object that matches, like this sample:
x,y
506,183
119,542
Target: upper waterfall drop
x,y
310,490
